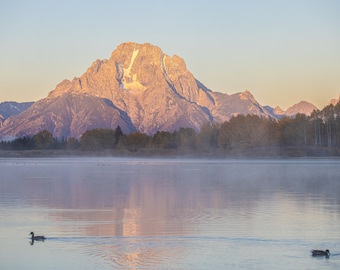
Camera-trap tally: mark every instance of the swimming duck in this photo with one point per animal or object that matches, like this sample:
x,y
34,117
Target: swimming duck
x,y
37,238
316,252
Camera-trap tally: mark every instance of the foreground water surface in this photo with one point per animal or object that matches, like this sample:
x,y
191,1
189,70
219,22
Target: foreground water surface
x,y
109,213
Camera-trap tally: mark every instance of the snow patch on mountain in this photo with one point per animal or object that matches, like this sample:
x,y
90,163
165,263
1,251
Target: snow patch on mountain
x,y
127,71
130,81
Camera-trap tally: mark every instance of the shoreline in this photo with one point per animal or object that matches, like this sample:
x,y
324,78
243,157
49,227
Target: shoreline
x,y
251,153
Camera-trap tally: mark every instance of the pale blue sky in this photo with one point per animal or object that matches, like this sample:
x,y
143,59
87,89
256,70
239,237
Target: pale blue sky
x,y
281,51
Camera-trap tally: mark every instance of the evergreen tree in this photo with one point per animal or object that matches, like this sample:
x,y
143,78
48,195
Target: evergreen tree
x,y
43,140
118,133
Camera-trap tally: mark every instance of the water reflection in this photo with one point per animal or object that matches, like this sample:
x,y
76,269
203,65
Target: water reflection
x,y
149,213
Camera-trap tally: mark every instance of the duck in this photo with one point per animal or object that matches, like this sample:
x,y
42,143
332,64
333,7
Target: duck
x,y
37,237
316,252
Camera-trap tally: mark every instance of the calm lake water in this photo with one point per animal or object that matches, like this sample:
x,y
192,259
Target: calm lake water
x,y
109,213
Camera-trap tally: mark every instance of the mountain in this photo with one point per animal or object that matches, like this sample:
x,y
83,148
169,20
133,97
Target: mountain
x,y
276,112
68,115
302,107
139,88
227,106
9,108
156,91
335,101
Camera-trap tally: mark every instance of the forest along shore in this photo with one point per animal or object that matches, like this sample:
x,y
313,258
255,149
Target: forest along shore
x,y
251,135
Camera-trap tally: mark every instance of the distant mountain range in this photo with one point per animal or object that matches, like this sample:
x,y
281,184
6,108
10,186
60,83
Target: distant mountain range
x,y
138,88
302,107
10,108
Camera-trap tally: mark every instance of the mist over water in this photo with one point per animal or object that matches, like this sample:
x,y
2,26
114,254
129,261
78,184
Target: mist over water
x,y
111,213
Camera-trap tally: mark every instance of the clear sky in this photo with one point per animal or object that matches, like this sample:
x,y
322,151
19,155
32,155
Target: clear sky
x,y
281,51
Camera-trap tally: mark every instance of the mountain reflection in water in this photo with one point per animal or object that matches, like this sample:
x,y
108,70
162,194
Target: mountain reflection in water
x,y
141,213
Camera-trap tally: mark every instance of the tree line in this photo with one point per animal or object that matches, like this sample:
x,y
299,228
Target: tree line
x,y
319,130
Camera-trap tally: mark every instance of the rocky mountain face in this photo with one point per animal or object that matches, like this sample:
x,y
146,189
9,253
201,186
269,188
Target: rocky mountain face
x,y
67,115
156,91
138,88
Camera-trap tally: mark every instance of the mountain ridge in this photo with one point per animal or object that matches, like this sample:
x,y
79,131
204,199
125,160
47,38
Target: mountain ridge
x,y
302,107
138,88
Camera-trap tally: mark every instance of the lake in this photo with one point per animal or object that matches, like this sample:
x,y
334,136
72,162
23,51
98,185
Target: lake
x,y
125,213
